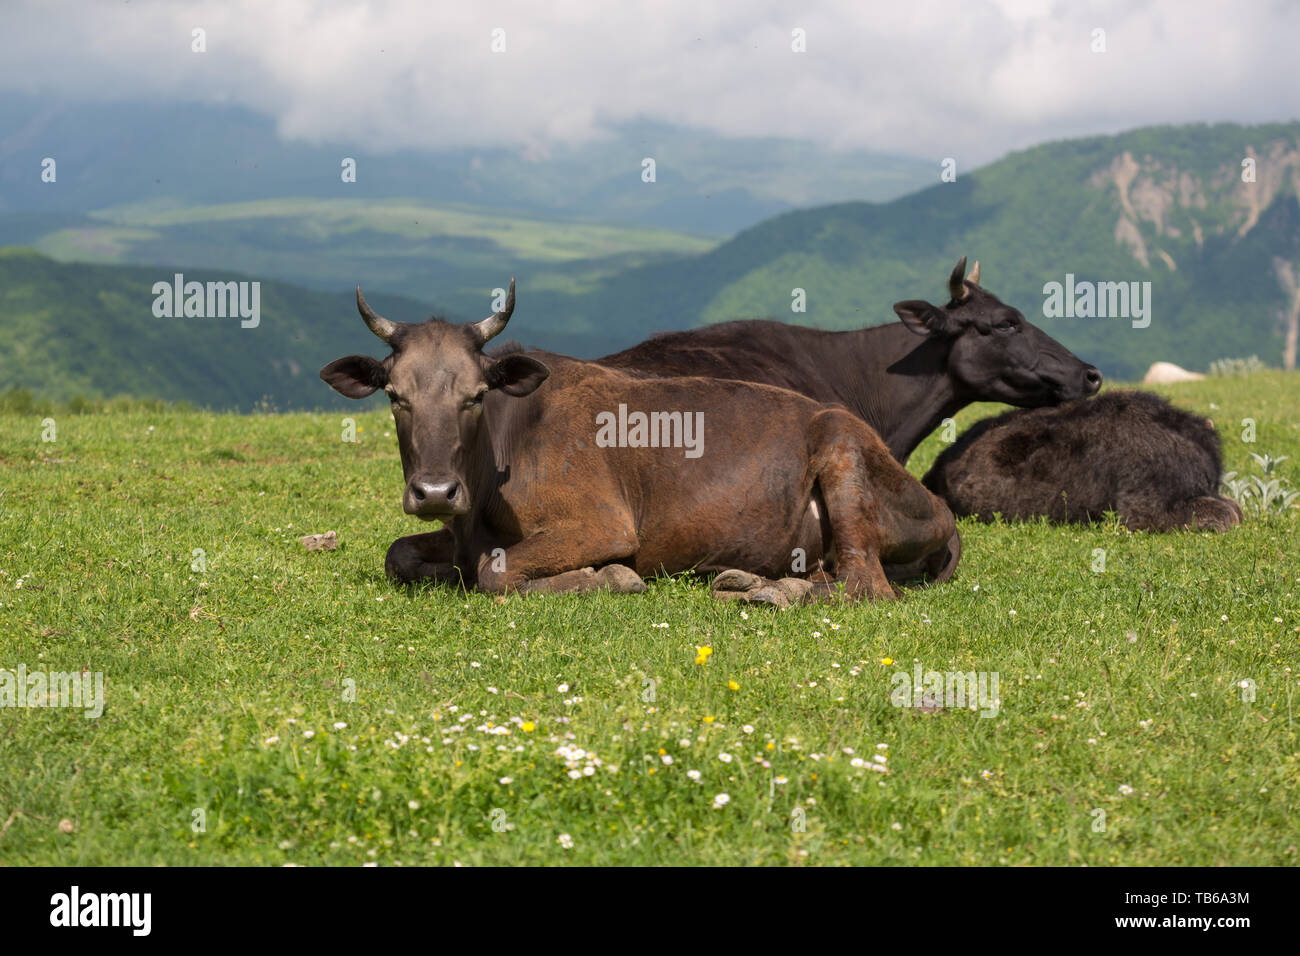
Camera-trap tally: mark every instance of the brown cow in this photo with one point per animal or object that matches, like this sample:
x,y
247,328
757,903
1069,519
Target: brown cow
x,y
534,500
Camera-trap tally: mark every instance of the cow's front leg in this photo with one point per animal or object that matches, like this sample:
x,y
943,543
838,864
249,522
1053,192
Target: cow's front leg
x,y
423,557
564,559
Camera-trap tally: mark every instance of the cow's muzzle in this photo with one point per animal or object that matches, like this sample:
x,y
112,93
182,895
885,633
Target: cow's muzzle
x,y
442,498
1082,381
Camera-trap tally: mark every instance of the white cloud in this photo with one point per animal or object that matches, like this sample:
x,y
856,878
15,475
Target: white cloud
x,y
970,80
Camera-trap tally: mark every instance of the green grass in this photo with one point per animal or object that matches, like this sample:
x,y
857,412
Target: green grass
x,y
212,678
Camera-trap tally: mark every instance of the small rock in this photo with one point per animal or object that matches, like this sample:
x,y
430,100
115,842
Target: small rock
x,y
929,703
320,542
67,826
1164,373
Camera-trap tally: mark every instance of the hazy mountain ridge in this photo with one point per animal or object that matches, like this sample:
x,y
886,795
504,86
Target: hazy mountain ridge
x,y
1161,205
111,154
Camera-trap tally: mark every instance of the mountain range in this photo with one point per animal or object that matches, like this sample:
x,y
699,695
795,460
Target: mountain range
x,y
1201,222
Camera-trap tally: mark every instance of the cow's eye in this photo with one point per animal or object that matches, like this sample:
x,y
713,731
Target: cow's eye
x,y
1006,325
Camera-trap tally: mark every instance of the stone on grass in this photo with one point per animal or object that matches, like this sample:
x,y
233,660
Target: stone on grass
x,y
320,542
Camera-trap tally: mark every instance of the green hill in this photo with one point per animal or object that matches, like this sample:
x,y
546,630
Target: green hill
x,y
89,331
443,253
1162,205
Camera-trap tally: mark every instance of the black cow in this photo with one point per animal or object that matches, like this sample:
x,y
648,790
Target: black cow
x,y
1132,453
975,349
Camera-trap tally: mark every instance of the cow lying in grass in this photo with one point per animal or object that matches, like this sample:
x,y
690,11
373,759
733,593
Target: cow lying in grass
x,y
974,348
534,500
1132,453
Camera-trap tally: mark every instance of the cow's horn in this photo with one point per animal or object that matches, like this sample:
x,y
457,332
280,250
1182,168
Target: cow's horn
x,y
381,326
492,326
956,287
974,273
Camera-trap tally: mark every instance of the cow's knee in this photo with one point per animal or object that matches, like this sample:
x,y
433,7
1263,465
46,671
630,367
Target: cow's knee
x,y
419,557
400,563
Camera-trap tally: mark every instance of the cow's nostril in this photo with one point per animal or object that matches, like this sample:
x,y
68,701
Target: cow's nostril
x,y
433,497
1092,376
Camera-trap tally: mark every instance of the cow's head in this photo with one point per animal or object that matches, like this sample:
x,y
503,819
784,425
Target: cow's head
x,y
995,354
436,379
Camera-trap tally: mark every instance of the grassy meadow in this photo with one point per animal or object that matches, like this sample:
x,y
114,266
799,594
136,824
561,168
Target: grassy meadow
x,y
267,705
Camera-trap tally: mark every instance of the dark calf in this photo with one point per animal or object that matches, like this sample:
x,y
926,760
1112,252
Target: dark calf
x,y
1132,453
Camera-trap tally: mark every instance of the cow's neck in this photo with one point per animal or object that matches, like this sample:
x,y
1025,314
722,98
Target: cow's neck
x,y
908,391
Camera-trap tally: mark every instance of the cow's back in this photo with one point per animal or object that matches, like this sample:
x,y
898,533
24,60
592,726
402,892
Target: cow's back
x,y
751,350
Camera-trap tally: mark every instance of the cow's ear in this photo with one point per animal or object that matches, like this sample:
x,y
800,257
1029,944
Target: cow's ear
x,y
355,376
516,374
923,318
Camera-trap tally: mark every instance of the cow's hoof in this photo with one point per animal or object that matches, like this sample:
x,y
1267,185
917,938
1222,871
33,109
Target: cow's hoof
x,y
770,594
737,580
797,588
621,579
782,593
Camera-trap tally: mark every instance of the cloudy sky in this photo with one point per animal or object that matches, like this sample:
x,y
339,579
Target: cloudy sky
x,y
972,79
